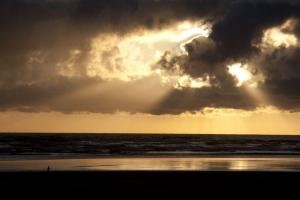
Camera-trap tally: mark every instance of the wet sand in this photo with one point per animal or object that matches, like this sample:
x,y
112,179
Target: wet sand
x,y
151,177
217,163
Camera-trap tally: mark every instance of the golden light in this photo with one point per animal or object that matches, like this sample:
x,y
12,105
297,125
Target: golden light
x,y
129,58
187,30
132,57
186,81
192,32
250,81
240,72
279,37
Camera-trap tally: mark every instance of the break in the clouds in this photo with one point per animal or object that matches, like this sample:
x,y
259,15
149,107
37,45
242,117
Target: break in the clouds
x,y
149,56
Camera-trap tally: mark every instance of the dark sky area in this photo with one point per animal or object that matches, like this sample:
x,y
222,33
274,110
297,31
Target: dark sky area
x,y
38,35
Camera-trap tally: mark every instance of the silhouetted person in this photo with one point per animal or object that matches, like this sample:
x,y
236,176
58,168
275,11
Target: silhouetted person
x,y
48,169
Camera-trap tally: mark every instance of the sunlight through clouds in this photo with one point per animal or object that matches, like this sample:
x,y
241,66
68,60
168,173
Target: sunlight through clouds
x,y
240,72
196,65
280,36
245,75
186,81
132,57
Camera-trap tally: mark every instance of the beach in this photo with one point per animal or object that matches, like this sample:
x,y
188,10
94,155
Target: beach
x,y
196,163
107,165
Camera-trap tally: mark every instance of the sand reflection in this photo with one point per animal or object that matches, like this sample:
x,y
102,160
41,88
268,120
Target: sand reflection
x,y
188,164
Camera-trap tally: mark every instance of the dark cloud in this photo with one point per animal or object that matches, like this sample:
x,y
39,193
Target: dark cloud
x,y
244,23
55,28
193,100
282,70
234,38
84,95
38,36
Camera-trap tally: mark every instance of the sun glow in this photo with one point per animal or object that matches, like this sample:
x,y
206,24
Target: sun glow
x,y
132,57
240,72
191,30
244,77
280,36
186,81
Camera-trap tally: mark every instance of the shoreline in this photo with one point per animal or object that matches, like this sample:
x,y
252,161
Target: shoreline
x,y
203,163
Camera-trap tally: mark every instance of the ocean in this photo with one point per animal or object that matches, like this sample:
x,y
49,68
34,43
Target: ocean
x,y
21,152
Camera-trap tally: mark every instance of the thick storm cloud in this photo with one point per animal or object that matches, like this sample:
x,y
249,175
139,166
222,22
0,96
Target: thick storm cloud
x,y
234,38
39,39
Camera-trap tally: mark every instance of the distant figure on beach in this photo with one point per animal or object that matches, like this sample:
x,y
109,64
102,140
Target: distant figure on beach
x,y
48,169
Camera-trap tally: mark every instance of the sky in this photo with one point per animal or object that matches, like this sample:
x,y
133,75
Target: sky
x,y
150,66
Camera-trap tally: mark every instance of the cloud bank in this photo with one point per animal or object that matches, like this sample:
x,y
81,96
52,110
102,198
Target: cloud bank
x,y
47,47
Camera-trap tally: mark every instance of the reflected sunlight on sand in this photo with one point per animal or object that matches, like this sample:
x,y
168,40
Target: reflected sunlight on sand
x,y
157,163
